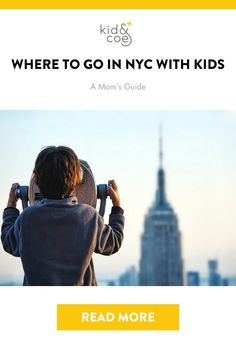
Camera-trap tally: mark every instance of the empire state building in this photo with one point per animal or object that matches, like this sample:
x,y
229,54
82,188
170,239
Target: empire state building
x,y
161,259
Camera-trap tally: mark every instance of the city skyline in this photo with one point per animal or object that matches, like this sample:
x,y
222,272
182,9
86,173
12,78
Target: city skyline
x,y
200,150
131,277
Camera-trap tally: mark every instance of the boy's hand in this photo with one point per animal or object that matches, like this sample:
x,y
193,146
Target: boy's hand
x,y
12,198
113,192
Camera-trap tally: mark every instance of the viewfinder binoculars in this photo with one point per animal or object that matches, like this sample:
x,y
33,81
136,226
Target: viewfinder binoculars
x,y
86,192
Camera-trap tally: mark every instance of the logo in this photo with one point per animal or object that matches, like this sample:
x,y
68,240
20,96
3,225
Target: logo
x,y
118,34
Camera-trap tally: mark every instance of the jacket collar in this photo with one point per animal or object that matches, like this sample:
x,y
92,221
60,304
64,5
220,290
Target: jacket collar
x,y
67,201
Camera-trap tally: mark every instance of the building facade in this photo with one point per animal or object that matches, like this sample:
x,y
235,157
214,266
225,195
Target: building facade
x,y
214,276
161,257
193,279
129,278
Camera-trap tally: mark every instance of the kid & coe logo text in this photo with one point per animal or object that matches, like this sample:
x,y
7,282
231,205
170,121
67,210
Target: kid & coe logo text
x,y
117,34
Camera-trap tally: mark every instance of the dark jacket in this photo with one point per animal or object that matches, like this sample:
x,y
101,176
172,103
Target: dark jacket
x,y
56,240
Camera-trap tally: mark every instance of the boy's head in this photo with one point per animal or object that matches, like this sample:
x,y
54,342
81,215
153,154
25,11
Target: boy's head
x,y
57,172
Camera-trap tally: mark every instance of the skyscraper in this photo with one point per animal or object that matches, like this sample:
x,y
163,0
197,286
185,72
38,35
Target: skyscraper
x,y
214,276
129,278
161,259
193,279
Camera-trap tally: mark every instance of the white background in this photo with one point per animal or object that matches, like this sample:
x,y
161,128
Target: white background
x,y
156,34
207,321
28,315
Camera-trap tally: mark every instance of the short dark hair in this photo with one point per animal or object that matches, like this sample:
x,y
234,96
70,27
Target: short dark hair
x,y
57,172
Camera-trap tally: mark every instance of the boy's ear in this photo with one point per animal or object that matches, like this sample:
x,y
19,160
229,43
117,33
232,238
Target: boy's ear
x,y
34,177
79,176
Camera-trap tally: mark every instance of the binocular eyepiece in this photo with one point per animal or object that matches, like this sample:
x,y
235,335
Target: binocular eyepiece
x,y
22,192
87,192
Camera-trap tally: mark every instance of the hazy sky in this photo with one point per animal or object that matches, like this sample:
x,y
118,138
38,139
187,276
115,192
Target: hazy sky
x,y
199,160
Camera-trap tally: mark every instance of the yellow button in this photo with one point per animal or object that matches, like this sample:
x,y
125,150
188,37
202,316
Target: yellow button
x,y
117,317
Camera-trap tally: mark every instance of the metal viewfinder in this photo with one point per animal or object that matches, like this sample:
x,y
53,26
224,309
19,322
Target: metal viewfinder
x,y
87,192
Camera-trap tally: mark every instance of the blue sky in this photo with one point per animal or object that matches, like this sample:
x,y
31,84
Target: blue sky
x,y
199,159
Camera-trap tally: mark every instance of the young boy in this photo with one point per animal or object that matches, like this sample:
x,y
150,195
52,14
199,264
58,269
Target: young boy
x,y
57,237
